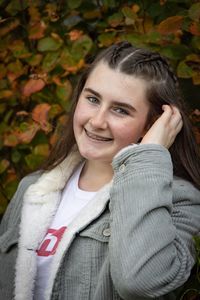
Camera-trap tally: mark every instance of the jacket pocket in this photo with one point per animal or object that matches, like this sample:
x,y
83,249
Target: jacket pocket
x,y
99,231
8,240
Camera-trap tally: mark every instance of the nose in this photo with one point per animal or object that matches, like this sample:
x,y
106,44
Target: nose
x,y
99,119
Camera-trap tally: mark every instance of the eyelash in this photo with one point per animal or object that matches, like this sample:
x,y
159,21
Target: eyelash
x,y
92,99
122,111
118,110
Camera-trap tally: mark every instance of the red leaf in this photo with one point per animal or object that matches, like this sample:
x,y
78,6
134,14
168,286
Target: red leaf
x,y
33,86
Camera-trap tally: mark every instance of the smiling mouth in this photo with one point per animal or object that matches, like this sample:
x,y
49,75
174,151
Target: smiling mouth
x,y
97,137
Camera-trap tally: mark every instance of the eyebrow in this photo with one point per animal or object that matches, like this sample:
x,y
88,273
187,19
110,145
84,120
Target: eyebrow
x,y
118,103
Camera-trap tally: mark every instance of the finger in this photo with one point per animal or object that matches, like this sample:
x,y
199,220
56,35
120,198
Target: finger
x,y
176,117
179,126
166,115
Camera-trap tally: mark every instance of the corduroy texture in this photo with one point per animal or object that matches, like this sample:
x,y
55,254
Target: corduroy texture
x,y
135,243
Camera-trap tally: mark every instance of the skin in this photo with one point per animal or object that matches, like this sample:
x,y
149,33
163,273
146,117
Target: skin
x,y
111,114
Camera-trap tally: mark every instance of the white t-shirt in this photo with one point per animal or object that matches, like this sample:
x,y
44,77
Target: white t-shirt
x,y
73,200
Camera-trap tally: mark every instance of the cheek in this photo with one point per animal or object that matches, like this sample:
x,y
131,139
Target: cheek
x,y
128,133
78,116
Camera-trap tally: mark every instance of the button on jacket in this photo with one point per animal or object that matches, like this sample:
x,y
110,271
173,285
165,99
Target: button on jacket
x,y
133,241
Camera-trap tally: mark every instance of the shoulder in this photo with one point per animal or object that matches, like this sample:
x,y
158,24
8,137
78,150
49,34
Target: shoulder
x,y
28,180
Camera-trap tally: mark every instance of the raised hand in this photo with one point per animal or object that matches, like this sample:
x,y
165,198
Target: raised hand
x,y
165,128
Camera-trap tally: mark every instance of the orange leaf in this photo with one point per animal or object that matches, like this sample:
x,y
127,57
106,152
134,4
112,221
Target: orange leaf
x,y
9,27
33,86
10,140
5,94
170,25
135,8
195,28
40,116
37,30
27,135
75,34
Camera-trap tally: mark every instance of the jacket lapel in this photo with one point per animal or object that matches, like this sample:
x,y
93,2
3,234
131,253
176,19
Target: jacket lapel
x,y
40,204
88,214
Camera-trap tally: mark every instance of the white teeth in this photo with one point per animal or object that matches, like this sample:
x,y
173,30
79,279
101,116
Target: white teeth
x,y
96,137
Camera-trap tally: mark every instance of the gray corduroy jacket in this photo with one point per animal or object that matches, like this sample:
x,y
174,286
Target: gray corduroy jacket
x,y
133,241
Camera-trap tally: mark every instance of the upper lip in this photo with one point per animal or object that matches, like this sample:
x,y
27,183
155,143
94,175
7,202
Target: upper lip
x,y
96,136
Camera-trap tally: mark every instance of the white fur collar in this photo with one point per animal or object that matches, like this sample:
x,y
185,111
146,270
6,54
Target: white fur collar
x,y
40,204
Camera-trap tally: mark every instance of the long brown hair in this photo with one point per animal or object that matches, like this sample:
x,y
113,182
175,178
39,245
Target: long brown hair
x,y
162,88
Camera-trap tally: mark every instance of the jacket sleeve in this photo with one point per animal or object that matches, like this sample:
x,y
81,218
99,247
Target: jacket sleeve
x,y
153,220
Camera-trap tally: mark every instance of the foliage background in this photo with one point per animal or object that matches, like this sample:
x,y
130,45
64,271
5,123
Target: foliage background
x,y
44,45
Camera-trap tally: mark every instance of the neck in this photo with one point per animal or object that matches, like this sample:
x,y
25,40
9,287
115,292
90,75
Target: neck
x,y
95,175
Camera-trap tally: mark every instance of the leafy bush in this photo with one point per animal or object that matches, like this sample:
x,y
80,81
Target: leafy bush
x,y
44,45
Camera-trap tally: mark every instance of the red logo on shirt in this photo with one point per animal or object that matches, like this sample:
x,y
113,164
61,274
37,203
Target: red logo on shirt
x,y
51,241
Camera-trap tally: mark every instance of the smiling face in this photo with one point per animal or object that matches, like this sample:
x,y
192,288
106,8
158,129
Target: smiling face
x,y
111,113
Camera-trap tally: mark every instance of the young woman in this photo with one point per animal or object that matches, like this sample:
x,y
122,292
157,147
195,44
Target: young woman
x,y
113,213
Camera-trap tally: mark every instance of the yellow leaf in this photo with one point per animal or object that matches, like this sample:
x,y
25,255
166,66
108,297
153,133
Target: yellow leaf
x,y
196,78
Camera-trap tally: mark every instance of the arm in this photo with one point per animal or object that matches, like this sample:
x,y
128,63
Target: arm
x,y
153,218
153,222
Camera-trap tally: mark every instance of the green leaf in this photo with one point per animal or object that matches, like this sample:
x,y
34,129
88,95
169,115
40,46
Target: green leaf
x,y
109,3
72,4
129,13
153,37
41,149
54,111
134,38
16,67
10,188
16,156
19,49
106,39
194,12
175,52
49,44
50,61
81,47
196,42
3,203
184,71
116,19
16,6
63,93
33,161
34,60
4,164
2,108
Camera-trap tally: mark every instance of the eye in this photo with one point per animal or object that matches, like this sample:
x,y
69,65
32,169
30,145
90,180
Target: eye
x,y
121,111
92,99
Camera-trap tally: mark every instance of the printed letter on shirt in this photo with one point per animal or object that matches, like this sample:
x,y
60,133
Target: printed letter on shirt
x,y
51,241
